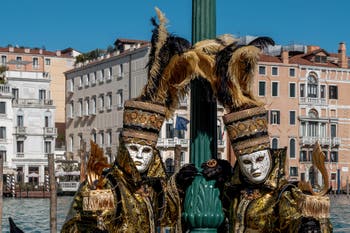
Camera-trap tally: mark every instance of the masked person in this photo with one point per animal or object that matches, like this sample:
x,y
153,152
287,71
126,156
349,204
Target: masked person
x,y
255,193
134,194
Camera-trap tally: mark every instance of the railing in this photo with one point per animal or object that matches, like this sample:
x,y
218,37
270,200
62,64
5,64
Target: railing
x,y
171,142
5,89
20,155
20,130
32,102
49,131
310,100
324,141
25,74
336,141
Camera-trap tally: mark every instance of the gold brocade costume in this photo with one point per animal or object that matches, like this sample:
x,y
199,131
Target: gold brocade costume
x,y
274,206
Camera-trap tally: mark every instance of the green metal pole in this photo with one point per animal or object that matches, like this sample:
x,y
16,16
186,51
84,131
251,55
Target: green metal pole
x,y
202,208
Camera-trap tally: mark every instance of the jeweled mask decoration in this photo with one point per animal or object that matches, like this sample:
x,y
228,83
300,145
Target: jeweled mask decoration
x,y
142,155
255,166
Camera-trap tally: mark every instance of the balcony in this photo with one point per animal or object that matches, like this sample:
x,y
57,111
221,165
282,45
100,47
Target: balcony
x,y
20,130
5,90
172,142
49,131
324,141
312,101
26,75
32,102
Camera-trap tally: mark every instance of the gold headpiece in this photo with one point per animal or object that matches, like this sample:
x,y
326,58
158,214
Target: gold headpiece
x,y
143,121
247,130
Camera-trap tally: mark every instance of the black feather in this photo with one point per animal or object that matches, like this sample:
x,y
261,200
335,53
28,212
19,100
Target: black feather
x,y
13,227
262,42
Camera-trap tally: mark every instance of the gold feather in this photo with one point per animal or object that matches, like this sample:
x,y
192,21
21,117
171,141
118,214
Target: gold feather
x,y
318,160
241,69
97,162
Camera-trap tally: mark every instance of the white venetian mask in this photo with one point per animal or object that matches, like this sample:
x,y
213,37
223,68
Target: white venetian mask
x,y
255,166
141,155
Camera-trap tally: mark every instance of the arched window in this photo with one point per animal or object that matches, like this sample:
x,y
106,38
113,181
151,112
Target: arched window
x,y
292,148
313,113
312,85
274,143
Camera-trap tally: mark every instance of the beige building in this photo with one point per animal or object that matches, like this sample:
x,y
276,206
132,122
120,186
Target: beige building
x,y
306,89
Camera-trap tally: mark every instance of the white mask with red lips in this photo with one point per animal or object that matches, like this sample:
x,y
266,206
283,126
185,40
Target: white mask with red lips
x,y
255,166
142,155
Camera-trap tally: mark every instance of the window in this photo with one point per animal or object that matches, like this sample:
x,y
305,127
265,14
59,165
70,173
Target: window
x,y
102,138
262,70
47,61
93,105
262,88
70,144
293,171
87,107
291,72
47,147
333,176
333,131
312,86
120,70
71,85
20,146
19,62
71,110
274,91
3,60
42,94
80,108
274,71
46,119
274,143
312,129
109,138
93,79
110,72
101,103
15,93
292,117
333,92
169,127
303,156
109,101
3,153
87,80
80,81
2,107
302,90
120,100
292,91
323,91
334,156
35,62
274,117
292,148
2,132
20,121
94,136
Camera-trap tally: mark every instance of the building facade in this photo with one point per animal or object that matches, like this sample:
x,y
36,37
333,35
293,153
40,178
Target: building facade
x,y
28,110
306,89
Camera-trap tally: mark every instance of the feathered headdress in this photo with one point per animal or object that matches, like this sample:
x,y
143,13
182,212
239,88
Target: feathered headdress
x,y
235,66
164,46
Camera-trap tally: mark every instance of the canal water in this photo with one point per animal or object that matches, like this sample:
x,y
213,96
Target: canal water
x,y
32,215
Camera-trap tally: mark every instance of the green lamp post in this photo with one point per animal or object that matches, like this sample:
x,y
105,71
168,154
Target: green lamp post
x,y
202,207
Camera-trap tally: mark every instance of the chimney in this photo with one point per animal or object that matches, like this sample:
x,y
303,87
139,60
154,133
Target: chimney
x,y
11,49
285,56
40,51
58,53
342,59
311,48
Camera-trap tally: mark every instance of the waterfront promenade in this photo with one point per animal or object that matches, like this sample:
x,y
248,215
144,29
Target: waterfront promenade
x,y
32,214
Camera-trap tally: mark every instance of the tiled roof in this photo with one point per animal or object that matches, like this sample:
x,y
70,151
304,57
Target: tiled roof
x,y
31,51
268,58
130,41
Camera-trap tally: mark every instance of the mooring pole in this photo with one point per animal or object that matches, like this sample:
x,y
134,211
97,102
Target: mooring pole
x,y
1,187
202,208
82,161
53,194
177,158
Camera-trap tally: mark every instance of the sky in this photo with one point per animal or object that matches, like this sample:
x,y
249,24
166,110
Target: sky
x,y
89,24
